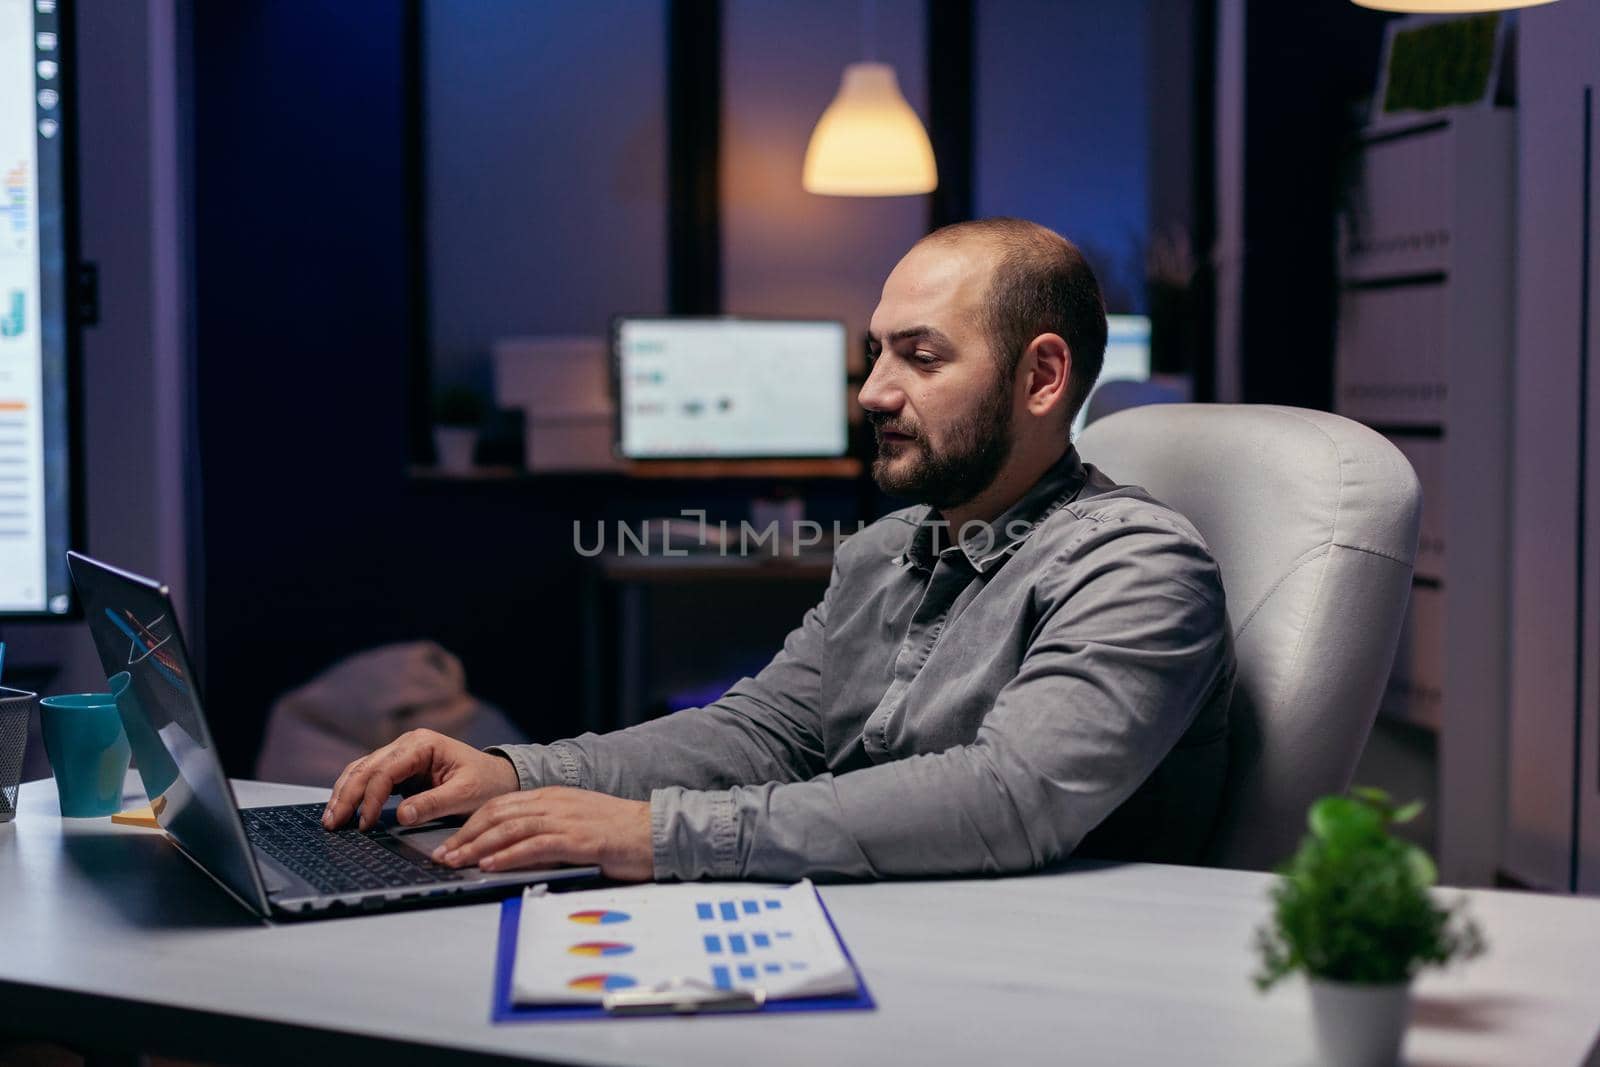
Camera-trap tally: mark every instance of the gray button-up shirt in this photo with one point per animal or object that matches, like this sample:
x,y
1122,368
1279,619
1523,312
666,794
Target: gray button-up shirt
x,y
1058,681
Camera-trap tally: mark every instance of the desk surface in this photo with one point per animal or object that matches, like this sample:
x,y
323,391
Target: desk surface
x,y
108,937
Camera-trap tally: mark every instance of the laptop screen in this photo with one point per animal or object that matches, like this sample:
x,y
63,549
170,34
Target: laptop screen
x,y
148,671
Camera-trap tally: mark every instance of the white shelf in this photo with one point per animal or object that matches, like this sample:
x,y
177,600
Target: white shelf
x,y
1424,355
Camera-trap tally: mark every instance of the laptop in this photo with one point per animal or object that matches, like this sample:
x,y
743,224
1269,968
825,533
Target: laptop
x,y
277,861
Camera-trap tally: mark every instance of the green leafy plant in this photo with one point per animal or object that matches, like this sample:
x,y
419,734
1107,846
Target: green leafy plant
x,y
457,405
1353,903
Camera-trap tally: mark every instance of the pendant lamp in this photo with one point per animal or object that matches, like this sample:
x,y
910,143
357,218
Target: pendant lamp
x,y
869,142
1442,7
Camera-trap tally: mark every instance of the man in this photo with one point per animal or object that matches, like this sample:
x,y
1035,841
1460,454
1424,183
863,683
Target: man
x,y
1035,661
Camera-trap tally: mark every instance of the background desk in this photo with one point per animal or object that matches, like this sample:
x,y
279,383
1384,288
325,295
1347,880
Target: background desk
x,y
109,938
720,617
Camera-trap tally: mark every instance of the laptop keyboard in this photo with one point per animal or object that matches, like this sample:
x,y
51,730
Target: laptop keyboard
x,y
338,861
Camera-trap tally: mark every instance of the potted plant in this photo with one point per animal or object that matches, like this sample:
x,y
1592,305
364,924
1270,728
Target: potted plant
x,y
1353,912
457,414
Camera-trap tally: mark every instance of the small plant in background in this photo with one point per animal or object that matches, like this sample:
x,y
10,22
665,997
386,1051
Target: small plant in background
x,y
457,405
457,415
1353,904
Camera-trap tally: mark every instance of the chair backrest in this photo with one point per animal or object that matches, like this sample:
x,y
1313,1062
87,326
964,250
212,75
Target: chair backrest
x,y
1313,520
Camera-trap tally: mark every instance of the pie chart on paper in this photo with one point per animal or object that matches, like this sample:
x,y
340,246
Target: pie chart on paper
x,y
600,948
599,917
601,983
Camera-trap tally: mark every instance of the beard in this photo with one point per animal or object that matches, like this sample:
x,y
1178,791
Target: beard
x,y
976,446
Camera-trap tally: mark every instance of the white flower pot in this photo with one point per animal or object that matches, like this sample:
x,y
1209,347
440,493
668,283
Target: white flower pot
x,y
1359,1025
453,447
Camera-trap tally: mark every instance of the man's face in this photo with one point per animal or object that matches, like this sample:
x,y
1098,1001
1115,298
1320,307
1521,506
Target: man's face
x,y
939,406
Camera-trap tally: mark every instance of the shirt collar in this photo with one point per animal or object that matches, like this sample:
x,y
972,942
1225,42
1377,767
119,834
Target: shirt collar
x,y
986,545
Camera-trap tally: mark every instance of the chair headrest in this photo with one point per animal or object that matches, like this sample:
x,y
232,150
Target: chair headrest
x,y
1266,486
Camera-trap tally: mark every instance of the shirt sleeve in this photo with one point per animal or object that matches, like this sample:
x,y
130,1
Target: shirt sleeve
x,y
763,729
1131,641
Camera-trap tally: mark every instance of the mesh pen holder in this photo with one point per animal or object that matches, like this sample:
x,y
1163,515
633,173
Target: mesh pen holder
x,y
16,707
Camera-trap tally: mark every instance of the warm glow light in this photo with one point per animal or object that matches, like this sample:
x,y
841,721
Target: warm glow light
x,y
869,142
1440,7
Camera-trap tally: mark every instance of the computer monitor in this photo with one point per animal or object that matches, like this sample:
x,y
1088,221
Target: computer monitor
x,y
728,388
37,489
1127,358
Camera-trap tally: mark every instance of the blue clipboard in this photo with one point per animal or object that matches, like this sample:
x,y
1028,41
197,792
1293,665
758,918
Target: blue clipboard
x,y
504,1010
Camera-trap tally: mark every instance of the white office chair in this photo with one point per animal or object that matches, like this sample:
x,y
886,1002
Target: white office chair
x,y
1313,520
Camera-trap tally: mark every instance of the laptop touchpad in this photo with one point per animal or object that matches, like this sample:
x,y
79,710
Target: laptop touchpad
x,y
424,838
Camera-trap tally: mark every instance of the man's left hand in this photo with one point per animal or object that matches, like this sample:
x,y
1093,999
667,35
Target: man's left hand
x,y
556,825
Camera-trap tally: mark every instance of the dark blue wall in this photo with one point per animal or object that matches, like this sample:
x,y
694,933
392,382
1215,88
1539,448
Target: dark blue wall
x,y
546,170
1063,133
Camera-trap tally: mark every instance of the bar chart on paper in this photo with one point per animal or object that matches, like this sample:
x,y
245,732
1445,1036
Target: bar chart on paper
x,y
775,938
752,944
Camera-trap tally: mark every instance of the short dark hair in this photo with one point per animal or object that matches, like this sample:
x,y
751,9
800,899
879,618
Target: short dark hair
x,y
1042,284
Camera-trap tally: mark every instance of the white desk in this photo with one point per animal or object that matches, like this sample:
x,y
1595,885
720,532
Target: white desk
x,y
109,938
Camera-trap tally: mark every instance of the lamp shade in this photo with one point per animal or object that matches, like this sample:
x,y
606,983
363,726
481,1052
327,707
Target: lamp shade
x,y
1442,7
869,142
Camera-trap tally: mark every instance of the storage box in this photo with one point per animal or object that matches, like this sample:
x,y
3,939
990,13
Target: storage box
x,y
563,387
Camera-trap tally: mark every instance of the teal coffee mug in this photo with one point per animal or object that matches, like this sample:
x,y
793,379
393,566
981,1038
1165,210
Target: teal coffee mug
x,y
88,752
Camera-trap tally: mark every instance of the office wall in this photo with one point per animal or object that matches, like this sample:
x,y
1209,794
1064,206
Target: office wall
x,y
1063,133
546,170
786,251
1552,837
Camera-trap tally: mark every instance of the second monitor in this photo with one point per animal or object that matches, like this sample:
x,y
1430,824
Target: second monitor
x,y
729,388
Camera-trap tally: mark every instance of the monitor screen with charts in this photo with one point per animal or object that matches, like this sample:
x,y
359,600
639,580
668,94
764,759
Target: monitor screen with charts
x,y
729,388
36,488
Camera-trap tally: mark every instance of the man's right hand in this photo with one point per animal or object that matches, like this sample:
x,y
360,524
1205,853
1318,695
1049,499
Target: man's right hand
x,y
453,778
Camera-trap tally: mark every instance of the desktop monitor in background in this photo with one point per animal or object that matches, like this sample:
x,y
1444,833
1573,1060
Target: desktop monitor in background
x,y
36,490
729,388
1127,358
